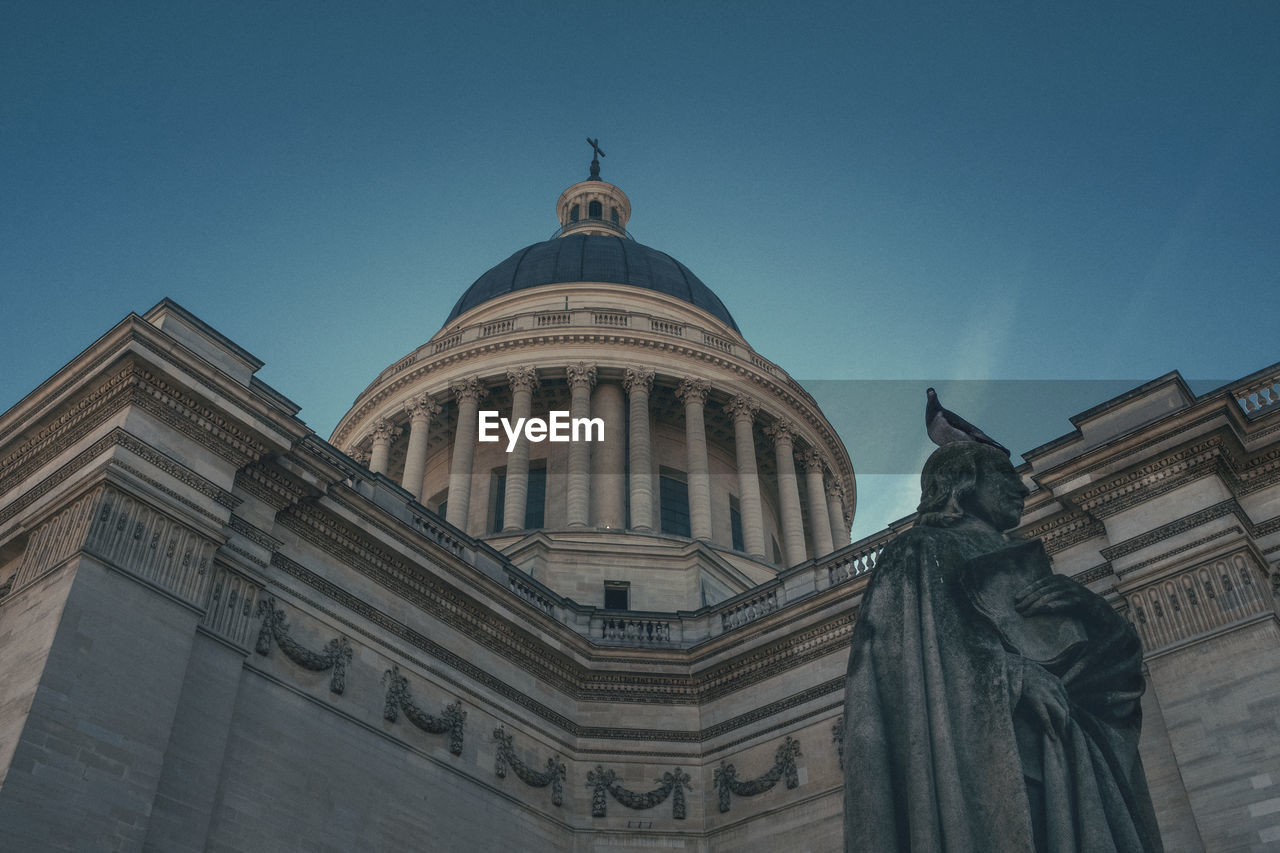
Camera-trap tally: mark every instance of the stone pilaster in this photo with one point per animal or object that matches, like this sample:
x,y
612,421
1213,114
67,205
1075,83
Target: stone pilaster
x,y
608,458
743,411
835,510
582,377
819,515
523,380
421,410
638,383
782,433
693,393
383,432
469,393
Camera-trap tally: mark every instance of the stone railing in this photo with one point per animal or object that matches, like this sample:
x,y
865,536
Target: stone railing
x,y
1260,395
854,561
638,630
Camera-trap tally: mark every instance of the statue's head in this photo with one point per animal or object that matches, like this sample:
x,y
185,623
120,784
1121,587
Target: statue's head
x,y
970,479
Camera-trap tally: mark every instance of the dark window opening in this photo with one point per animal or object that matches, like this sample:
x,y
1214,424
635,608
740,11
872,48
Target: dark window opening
x,y
595,210
535,504
498,500
673,499
735,524
617,595
613,215
573,213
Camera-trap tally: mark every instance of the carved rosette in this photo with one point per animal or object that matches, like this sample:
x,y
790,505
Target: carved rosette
x,y
334,656
384,431
742,406
637,379
672,784
450,720
422,408
581,375
506,757
523,378
784,767
693,391
782,430
468,390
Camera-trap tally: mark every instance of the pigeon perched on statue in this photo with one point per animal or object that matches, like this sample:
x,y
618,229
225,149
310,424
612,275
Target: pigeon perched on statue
x,y
946,427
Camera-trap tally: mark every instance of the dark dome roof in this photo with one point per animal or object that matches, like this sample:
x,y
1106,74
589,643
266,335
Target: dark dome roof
x,y
591,257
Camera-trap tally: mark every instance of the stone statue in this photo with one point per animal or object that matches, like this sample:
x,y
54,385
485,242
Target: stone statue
x,y
992,706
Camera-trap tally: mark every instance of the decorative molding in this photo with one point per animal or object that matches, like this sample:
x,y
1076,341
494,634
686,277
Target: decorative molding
x,y
812,461
1173,528
672,784
637,379
229,612
468,389
581,375
398,699
1203,599
506,757
384,431
270,484
837,738
781,430
253,534
1203,540
1097,573
742,406
523,378
421,408
1064,531
784,766
692,391
335,656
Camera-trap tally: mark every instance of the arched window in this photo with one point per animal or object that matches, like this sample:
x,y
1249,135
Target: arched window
x,y
595,210
573,213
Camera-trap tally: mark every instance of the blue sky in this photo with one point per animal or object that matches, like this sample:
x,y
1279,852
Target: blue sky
x,y
877,191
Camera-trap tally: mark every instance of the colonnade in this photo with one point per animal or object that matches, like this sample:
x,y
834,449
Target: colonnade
x,y
611,489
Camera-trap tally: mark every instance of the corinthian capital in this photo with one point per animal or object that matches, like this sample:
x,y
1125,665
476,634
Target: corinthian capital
x,y
384,431
468,389
637,379
523,378
581,375
422,407
813,461
781,430
742,406
360,456
835,489
693,390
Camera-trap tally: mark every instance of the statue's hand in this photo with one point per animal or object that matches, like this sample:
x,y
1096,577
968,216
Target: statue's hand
x,y
1059,594
1046,698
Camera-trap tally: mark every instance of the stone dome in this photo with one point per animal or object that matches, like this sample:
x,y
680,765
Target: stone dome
x,y
592,257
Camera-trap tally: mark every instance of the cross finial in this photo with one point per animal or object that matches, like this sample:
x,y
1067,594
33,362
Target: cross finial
x,y
595,157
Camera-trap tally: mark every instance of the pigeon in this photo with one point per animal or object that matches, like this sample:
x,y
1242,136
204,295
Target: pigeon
x,y
946,427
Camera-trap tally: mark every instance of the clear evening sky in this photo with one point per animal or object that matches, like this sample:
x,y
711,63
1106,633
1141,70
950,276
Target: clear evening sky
x,y
1070,193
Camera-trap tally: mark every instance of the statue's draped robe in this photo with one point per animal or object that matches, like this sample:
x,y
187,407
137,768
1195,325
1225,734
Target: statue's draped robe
x,y
932,759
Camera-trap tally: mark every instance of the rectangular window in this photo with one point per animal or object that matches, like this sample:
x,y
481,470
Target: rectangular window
x,y
497,499
673,498
735,524
535,504
617,595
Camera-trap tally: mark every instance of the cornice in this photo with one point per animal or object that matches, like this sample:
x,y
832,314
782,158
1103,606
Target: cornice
x,y
1181,525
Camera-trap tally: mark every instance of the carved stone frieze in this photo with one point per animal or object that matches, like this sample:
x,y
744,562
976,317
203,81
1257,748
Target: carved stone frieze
x,y
1063,531
671,784
784,767
333,658
1199,601
271,485
507,757
450,721
229,611
1173,528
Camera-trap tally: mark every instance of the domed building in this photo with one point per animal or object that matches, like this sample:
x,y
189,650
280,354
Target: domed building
x,y
714,469
219,631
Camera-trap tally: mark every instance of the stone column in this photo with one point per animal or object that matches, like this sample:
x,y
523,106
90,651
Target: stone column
x,y
638,383
693,393
421,410
819,515
782,433
835,509
582,377
743,411
608,458
383,432
469,393
523,380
